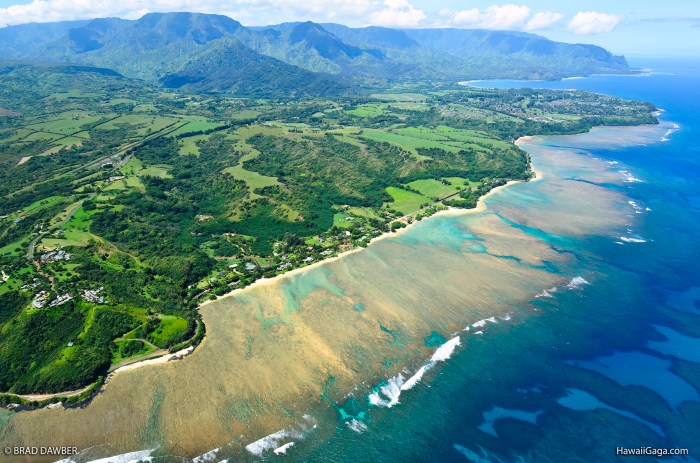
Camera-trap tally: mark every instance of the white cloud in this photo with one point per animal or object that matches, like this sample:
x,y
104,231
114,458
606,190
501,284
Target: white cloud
x,y
593,22
391,13
252,11
543,20
508,16
397,13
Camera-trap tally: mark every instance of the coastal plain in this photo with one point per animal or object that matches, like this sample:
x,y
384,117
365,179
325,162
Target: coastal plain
x,y
291,351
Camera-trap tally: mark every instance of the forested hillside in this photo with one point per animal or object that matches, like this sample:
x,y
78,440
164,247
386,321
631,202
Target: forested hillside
x,y
214,53
123,206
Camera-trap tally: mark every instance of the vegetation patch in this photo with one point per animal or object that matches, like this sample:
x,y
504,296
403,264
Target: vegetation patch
x,y
406,201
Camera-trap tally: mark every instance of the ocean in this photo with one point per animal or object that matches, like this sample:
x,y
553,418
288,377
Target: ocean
x,y
608,364
561,324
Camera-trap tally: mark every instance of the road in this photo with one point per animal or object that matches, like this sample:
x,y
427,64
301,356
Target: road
x,y
39,397
71,213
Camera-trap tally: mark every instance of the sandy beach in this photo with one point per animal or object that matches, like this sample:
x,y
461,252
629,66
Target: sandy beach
x,y
480,207
304,340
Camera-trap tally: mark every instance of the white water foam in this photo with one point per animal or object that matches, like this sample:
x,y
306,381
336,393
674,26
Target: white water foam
x,y
637,208
131,457
267,443
669,132
445,351
207,457
388,395
632,240
628,177
577,282
275,440
415,379
482,323
547,292
283,449
356,425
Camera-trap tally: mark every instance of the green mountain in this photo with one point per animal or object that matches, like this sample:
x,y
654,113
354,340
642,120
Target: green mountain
x,y
419,54
215,53
190,50
228,67
526,53
18,41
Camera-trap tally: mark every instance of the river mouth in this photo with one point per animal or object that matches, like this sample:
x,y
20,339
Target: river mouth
x,y
278,356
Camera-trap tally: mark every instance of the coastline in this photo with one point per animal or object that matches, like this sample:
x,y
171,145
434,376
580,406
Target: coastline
x,y
449,212
187,351
194,375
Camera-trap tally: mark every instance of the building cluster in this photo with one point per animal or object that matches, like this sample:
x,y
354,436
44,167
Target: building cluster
x,y
55,256
33,285
93,295
40,300
60,300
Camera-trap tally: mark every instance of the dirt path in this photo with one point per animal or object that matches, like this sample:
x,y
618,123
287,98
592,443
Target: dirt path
x,y
140,358
39,397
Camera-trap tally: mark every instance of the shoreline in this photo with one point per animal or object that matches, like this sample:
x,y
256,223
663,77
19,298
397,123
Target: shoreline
x,y
189,350
450,211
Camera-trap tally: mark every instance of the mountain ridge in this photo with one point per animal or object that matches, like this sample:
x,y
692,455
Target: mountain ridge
x,y
215,53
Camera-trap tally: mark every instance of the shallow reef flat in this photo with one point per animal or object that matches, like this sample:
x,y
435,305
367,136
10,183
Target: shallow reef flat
x,y
277,354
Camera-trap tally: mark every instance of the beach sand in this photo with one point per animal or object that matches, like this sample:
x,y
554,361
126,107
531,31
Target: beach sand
x,y
285,347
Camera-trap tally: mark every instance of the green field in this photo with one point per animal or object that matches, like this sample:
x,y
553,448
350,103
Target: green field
x,y
407,142
67,123
433,188
366,212
461,182
42,136
118,355
169,327
367,110
254,180
189,145
11,248
416,97
196,126
135,168
74,233
340,220
405,201
45,203
142,124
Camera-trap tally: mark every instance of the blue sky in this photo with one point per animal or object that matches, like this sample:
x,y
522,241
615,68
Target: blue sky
x,y
630,27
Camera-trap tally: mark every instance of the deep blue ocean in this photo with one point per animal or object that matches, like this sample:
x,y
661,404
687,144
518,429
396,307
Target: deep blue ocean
x,y
599,368
613,366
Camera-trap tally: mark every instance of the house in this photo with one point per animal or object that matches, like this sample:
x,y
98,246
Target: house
x,y
60,300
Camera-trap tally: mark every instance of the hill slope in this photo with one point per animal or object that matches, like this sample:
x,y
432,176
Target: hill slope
x,y
190,49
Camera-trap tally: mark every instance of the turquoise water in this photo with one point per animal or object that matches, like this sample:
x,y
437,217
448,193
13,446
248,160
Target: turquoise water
x,y
613,361
601,351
